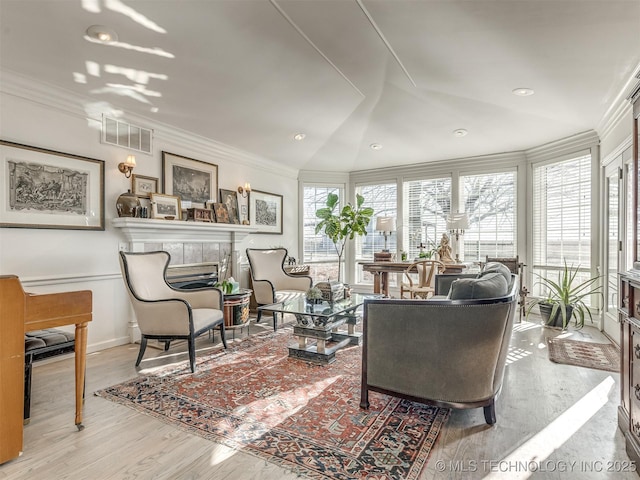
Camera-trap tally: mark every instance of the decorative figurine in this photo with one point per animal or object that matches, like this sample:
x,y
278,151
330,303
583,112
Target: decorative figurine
x,y
444,250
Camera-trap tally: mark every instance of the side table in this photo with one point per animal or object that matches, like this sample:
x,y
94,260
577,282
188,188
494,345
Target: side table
x,y
236,309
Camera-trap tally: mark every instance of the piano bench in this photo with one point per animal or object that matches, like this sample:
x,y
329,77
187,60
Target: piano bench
x,y
38,345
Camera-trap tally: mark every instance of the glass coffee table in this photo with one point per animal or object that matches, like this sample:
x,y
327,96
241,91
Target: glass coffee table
x,y
320,322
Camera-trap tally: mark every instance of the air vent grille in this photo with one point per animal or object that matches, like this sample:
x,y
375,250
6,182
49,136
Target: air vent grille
x,y
116,132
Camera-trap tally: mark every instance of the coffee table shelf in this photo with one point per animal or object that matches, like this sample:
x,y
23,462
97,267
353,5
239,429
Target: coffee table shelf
x,y
317,326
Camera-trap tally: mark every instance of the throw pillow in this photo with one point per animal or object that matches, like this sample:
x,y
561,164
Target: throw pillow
x,y
496,267
490,285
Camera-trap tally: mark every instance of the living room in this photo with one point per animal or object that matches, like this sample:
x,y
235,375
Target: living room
x,y
263,56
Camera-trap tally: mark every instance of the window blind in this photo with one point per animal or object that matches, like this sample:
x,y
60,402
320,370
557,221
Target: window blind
x,y
319,251
427,205
383,198
562,217
490,202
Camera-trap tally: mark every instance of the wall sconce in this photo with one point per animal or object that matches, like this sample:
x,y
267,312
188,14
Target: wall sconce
x,y
244,191
127,166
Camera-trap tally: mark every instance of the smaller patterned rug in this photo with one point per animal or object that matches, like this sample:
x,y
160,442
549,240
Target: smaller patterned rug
x,y
301,416
601,356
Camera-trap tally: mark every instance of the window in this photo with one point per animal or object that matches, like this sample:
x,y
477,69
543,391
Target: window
x,y
490,202
562,217
384,200
427,205
319,251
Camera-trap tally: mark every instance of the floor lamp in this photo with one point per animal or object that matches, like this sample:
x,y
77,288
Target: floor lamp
x,y
457,223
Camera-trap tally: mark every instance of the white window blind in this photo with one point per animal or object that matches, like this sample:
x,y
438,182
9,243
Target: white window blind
x,y
383,198
562,217
427,205
490,202
319,251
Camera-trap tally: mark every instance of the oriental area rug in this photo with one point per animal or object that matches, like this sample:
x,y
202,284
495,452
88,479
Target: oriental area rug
x,y
601,356
303,417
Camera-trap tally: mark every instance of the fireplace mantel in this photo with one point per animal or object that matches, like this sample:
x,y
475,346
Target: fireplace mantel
x,y
139,231
178,234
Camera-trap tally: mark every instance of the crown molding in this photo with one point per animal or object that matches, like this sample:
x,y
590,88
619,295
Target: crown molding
x,y
498,161
564,146
53,97
616,152
620,105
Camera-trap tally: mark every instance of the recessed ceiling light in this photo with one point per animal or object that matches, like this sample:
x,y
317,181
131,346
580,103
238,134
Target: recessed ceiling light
x,y
523,92
461,132
299,136
102,34
154,109
375,146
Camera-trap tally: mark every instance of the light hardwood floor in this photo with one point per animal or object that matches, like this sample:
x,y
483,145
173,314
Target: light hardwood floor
x,y
559,418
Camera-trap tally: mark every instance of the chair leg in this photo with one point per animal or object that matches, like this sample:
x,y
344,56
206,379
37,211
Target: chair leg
x,y
143,346
490,412
192,354
259,316
222,335
167,344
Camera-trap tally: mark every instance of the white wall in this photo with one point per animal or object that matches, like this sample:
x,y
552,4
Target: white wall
x,y
49,260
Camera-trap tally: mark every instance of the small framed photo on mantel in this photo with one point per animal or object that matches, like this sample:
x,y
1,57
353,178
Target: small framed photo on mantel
x,y
165,206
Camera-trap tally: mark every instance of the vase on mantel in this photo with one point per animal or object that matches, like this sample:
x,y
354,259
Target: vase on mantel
x,y
127,204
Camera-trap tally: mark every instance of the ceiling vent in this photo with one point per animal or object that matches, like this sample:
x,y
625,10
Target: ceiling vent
x,y
116,132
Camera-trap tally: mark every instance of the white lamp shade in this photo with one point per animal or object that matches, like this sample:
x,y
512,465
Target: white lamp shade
x,y
457,221
385,224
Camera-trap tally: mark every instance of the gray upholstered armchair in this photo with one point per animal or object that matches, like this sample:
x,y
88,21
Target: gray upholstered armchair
x,y
271,284
165,313
450,353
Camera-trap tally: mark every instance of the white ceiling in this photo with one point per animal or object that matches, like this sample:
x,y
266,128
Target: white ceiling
x,y
347,73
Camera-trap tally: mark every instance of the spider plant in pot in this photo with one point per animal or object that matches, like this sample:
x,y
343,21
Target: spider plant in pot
x,y
566,298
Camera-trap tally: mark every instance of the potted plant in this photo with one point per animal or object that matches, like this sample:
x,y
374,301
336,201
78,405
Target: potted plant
x,y
566,298
343,225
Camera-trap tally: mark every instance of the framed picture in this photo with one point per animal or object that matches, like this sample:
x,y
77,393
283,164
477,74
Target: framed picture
x,y
165,206
191,180
230,199
42,188
143,186
265,211
222,213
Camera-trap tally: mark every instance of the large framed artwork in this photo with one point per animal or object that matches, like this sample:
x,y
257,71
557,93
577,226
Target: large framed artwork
x,y
192,180
265,211
230,199
42,188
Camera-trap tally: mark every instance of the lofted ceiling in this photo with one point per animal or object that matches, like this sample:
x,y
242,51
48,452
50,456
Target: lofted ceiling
x,y
346,73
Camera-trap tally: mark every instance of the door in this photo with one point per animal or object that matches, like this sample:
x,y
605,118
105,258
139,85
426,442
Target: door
x,y
612,247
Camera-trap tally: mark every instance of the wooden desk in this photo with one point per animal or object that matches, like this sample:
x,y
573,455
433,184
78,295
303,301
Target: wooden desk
x,y
380,271
22,312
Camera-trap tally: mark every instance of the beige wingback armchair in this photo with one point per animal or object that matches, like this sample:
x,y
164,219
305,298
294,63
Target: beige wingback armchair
x,y
450,353
165,313
271,284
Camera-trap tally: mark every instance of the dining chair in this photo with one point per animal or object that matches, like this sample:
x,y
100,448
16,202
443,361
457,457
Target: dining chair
x,y
420,278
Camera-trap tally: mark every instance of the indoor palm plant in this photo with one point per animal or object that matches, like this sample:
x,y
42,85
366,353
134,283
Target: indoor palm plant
x,y
343,225
566,298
